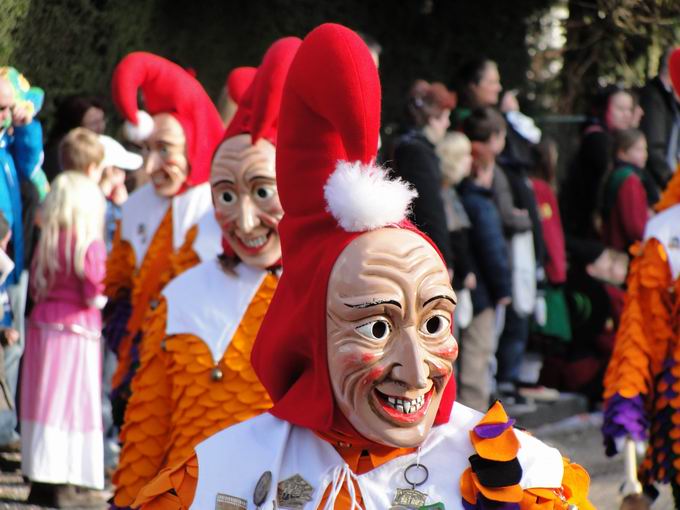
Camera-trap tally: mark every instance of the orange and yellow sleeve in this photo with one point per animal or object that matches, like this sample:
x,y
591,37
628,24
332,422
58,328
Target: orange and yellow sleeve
x,y
572,494
146,431
494,440
173,489
120,266
645,329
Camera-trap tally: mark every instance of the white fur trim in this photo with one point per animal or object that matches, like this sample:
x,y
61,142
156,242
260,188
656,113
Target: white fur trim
x,y
140,131
98,302
362,197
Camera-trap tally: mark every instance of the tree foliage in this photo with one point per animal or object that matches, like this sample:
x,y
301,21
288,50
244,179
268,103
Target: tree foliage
x,y
614,41
70,46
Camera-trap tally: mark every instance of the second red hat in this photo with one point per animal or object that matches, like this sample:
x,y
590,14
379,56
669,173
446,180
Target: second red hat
x,y
168,88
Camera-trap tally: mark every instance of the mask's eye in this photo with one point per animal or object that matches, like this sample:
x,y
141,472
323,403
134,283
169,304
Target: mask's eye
x,y
265,192
228,197
436,325
375,330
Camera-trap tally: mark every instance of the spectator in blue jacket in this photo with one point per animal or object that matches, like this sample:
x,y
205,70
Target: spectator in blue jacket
x,y
492,271
20,159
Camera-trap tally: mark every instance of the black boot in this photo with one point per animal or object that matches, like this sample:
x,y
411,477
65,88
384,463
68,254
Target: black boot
x,y
42,494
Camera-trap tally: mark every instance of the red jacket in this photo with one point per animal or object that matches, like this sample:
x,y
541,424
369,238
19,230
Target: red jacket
x,y
553,235
625,213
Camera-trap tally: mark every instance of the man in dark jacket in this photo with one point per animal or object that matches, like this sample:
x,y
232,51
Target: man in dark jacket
x,y
661,124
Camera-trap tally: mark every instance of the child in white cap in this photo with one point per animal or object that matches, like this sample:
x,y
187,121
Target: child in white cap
x,y
117,161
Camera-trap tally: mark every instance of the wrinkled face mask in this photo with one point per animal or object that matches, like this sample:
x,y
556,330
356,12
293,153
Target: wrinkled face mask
x,y
165,159
390,346
247,206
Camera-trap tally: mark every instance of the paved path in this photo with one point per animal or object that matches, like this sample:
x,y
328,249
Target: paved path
x,y
577,438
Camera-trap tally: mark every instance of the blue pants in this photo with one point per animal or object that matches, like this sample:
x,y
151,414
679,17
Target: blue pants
x,y
511,346
8,419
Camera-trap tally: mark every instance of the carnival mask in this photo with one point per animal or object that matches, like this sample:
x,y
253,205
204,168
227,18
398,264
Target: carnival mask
x,y
247,205
165,159
390,346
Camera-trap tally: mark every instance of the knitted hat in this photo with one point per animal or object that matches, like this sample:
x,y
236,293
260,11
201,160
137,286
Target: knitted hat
x,y
331,193
258,110
168,88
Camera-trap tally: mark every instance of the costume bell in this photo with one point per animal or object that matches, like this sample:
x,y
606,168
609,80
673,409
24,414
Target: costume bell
x,y
195,376
642,383
178,139
356,348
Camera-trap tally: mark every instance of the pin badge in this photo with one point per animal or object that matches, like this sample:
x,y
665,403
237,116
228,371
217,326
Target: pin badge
x,y
262,488
141,232
228,502
294,493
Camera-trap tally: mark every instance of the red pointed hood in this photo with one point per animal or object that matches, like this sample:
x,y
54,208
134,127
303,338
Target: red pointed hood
x,y
258,111
328,141
168,88
238,82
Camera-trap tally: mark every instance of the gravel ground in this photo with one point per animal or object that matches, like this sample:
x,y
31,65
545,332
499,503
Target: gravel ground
x,y
577,438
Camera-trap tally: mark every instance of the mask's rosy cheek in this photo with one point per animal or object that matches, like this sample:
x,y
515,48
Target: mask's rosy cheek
x,y
224,218
271,221
373,375
448,352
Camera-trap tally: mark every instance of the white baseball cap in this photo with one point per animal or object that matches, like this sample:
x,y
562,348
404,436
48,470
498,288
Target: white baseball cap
x,y
116,155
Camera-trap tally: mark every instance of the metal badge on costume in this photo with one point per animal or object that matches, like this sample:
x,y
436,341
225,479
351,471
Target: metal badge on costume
x,y
293,493
412,499
227,502
262,489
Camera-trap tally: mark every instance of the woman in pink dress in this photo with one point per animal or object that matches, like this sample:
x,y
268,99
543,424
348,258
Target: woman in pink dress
x,y
61,418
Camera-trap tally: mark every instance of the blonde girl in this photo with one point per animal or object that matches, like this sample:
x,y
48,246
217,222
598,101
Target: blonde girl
x,y
61,419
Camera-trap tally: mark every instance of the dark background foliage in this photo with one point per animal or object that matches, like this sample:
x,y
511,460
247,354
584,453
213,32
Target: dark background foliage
x,y
71,46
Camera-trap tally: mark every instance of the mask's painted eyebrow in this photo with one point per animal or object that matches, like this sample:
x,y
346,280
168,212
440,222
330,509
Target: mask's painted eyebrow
x,y
375,303
261,178
223,181
448,298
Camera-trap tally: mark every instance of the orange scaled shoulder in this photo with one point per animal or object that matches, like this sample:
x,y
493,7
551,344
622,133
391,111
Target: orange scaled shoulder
x,y
173,489
120,266
645,327
146,430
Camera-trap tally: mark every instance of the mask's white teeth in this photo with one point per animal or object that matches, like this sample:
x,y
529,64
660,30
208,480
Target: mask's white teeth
x,y
255,243
404,405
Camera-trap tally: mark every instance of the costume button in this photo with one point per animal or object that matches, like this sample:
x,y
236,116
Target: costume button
x,y
153,304
216,374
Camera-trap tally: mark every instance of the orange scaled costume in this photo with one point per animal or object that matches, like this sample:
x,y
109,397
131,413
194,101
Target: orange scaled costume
x,y
642,383
195,376
147,248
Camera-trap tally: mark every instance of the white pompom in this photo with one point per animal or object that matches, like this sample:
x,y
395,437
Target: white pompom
x,y
363,197
142,130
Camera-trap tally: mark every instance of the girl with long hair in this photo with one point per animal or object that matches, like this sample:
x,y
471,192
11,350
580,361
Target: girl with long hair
x,y
61,417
